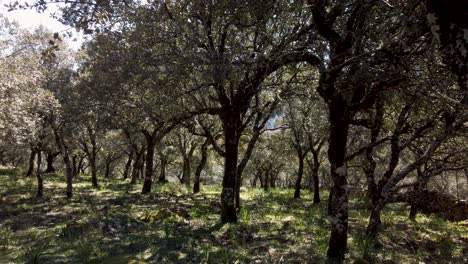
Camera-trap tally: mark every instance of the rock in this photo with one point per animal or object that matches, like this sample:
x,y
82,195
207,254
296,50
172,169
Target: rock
x,y
441,204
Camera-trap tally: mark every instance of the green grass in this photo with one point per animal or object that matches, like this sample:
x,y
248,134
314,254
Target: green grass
x,y
115,224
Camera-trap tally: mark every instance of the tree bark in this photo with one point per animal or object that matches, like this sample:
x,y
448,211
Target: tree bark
x,y
339,126
231,122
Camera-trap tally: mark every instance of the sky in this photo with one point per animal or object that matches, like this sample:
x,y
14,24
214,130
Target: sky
x,y
31,19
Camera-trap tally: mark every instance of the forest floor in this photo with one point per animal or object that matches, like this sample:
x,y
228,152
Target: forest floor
x,y
115,224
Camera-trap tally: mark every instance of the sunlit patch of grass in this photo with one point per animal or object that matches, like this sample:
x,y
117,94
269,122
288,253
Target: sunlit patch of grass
x,y
272,227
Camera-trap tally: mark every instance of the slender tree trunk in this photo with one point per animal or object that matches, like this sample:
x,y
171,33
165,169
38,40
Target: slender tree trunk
x,y
92,162
187,171
128,165
66,159
69,175
200,167
231,123
74,166
79,168
256,177
418,188
148,180
273,180
40,180
315,177
32,157
107,169
162,170
136,166
339,126
243,163
300,172
142,166
265,180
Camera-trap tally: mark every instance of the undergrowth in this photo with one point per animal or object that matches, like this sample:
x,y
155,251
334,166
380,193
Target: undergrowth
x,y
116,224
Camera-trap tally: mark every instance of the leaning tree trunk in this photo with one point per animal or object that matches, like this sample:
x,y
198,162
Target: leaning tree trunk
x,y
243,163
339,127
300,172
374,219
200,167
148,180
40,179
231,122
32,157
128,165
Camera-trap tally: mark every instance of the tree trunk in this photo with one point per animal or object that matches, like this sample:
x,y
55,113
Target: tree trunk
x,y
329,204
187,170
231,122
315,178
339,126
265,180
413,212
200,167
300,172
92,162
107,170
128,165
32,157
40,179
256,177
75,166
374,219
136,166
148,180
273,180
79,168
69,175
243,164
50,162
66,159
141,174
162,170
